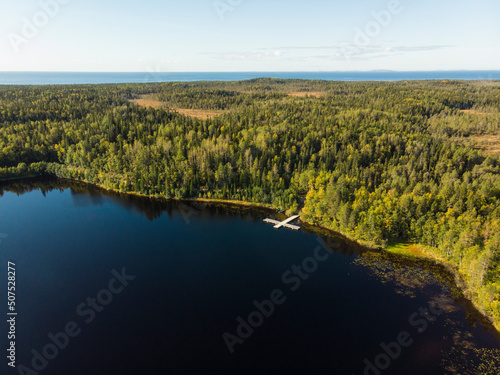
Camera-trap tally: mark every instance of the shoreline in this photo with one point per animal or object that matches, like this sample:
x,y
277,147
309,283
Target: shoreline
x,y
405,250
424,252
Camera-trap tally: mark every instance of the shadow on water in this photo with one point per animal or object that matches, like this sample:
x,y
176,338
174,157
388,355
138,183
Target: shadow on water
x,y
407,276
85,194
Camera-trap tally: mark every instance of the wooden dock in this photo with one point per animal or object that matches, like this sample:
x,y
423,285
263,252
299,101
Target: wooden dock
x,y
284,224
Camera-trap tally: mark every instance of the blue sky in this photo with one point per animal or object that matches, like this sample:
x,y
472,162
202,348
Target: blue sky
x,y
249,35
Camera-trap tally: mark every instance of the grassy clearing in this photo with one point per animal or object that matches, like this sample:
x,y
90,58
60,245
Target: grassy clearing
x,y
201,114
475,112
148,101
304,94
487,143
408,250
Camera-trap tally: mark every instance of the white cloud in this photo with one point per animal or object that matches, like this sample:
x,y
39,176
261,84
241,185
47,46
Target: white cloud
x,y
338,52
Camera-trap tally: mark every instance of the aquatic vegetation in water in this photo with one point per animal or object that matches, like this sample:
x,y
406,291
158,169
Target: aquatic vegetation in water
x,y
406,278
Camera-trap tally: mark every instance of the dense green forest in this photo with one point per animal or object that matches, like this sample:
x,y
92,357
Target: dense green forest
x,y
383,163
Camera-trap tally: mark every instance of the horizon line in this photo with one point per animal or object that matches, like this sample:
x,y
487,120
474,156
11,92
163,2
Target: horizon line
x,y
256,71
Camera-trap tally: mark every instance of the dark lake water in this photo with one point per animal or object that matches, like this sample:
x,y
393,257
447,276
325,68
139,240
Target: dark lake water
x,y
151,287
60,78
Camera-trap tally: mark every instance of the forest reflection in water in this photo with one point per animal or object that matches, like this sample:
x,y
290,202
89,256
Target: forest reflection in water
x,y
460,339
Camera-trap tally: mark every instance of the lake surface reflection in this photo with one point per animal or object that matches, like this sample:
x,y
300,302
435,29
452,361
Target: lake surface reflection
x,y
143,286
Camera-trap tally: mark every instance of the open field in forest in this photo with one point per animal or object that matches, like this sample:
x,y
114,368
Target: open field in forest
x,y
316,94
201,114
487,143
358,158
148,101
406,249
475,112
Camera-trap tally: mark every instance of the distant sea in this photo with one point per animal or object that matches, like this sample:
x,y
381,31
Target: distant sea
x,y
66,78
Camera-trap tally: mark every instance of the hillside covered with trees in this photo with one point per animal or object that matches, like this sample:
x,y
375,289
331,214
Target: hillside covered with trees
x,y
383,163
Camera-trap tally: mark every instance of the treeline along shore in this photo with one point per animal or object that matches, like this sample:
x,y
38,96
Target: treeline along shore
x,y
385,163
